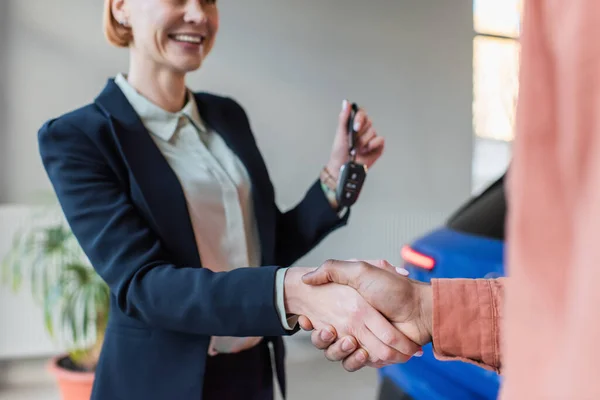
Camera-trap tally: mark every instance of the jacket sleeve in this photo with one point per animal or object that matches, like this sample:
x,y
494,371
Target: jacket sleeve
x,y
467,316
129,256
303,227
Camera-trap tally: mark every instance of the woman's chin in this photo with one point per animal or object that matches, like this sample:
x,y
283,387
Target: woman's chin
x,y
185,57
186,66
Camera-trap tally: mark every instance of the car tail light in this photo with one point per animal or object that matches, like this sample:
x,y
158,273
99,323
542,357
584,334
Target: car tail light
x,y
417,259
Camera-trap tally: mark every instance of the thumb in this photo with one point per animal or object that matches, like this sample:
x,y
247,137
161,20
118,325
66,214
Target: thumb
x,y
342,272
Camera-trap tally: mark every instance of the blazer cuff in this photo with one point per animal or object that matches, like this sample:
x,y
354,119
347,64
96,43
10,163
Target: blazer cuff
x,y
327,213
331,197
288,322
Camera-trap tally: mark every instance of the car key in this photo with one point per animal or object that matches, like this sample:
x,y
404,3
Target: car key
x,y
352,174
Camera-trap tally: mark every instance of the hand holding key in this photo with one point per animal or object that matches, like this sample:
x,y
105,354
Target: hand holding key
x,y
368,146
352,174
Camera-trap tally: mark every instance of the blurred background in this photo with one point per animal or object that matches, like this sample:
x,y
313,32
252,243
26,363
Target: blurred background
x,y
439,79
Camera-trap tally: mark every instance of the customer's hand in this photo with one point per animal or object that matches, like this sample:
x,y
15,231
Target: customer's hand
x,y
337,349
369,145
341,311
406,303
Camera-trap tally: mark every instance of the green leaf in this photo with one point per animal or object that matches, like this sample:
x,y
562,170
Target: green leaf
x,y
52,304
102,296
6,267
46,282
17,276
39,266
35,282
87,297
68,315
81,273
48,320
55,239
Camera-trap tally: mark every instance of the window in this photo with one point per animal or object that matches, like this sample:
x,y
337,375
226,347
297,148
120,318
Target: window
x,y
497,25
496,51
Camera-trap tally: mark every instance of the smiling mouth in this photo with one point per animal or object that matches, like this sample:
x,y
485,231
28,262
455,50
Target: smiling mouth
x,y
187,38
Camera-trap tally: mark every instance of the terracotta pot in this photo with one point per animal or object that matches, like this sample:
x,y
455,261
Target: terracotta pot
x,y
73,385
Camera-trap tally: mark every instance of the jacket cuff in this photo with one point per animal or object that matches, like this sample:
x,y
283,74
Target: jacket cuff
x,y
328,214
466,321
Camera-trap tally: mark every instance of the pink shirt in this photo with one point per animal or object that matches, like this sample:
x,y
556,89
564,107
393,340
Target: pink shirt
x,y
546,344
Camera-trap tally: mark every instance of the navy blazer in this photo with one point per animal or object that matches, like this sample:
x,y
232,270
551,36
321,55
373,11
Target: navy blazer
x,y
128,211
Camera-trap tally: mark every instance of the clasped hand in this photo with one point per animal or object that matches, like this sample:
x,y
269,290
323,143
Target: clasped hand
x,y
361,313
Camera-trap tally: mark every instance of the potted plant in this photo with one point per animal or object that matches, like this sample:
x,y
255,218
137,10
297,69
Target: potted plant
x,y
74,299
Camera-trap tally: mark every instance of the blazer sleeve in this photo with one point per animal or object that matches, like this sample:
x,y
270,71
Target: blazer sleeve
x,y
300,229
129,256
303,227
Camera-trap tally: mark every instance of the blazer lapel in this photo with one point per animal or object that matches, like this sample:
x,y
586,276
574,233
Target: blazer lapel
x,y
157,182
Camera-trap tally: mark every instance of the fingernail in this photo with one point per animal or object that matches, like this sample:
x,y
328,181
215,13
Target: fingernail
x,y
326,335
356,126
402,271
418,353
347,345
361,356
307,276
344,105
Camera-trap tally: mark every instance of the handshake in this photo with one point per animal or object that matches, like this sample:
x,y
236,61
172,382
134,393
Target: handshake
x,y
362,313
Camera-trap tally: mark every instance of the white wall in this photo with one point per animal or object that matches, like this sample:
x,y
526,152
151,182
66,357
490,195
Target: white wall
x,y
4,29
290,64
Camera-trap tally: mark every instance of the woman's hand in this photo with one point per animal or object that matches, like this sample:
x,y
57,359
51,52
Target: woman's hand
x,y
344,312
369,145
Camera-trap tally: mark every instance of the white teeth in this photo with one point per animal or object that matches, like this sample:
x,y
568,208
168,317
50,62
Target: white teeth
x,y
188,39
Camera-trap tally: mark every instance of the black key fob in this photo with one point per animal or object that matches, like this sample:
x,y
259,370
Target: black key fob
x,y
352,174
352,178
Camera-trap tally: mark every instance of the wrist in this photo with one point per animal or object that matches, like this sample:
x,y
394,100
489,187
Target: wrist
x,y
425,293
333,169
329,184
294,291
329,178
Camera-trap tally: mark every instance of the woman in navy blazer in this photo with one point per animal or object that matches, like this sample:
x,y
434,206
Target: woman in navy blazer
x,y
126,205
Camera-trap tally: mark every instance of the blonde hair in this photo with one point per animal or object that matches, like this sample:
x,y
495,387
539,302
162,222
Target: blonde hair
x,y
116,34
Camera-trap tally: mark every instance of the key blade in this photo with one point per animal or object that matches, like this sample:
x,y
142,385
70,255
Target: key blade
x,y
352,134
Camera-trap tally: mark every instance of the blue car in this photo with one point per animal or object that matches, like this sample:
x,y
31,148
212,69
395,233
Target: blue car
x,y
469,245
